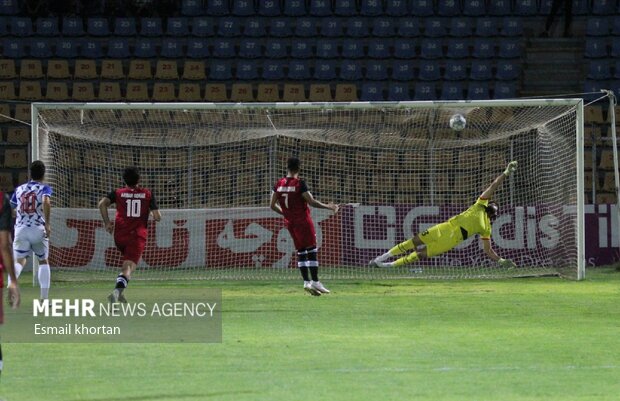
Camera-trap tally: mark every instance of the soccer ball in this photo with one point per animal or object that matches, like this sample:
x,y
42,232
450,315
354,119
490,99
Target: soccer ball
x,y
457,122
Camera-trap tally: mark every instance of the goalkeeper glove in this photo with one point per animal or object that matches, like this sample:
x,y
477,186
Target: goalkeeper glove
x,y
506,263
512,166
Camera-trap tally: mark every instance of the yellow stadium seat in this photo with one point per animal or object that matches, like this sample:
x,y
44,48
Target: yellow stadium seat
x,y
110,92
268,93
294,93
7,69
23,112
189,92
112,69
166,69
606,198
58,69
137,92
31,69
6,182
15,158
57,91
140,69
241,93
164,92
30,90
320,93
19,135
5,112
7,90
22,177
607,160
593,115
194,70
609,182
346,93
85,69
216,93
83,91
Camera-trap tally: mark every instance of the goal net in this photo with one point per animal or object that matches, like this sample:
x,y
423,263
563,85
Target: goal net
x,y
397,169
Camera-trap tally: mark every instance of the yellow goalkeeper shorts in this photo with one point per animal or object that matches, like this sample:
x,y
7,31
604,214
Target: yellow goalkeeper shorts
x,y
441,238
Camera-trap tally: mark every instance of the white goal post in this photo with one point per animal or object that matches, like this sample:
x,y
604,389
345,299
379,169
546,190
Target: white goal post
x,y
396,167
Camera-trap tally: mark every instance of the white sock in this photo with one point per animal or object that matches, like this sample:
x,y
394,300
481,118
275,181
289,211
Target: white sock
x,y
383,257
44,280
18,270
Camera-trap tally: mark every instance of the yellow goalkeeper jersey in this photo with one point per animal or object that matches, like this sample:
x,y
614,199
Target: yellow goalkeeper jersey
x,y
475,219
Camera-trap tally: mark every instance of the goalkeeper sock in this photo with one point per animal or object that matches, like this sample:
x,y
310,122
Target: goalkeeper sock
x,y
121,283
405,260
44,280
313,264
302,258
401,248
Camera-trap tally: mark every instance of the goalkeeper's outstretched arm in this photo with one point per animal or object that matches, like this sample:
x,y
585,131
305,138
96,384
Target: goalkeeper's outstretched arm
x,y
490,191
486,244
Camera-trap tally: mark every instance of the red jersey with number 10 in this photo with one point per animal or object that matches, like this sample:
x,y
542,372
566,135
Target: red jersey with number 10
x,y
133,206
288,191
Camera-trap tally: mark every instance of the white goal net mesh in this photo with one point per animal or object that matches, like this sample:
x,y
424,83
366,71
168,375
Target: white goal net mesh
x,y
396,168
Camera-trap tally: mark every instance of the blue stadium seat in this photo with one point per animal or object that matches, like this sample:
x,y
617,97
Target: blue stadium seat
x,y
125,27
203,27
371,8
197,48
486,27
67,48
177,26
269,8
431,48
357,27
603,7
422,8
220,70
499,7
275,48
47,27
294,8
9,7
217,7
408,27
429,71
396,8
172,48
404,48
596,47
383,27
435,27
615,48
243,8
118,48
474,8
192,8
510,48
327,48
599,70
593,86
398,91
273,70
456,70
4,29
452,91
448,8
504,90
458,48
228,26
511,27
481,70
526,8
299,69
151,27
615,87
21,26
321,8
345,8
325,70
72,26
508,70
617,69
350,70
145,48
91,48
247,70
255,27
352,48
484,48
581,7
250,48
372,92
97,27
13,48
425,91
305,27
615,30
40,48
377,70
402,70
224,48
545,7
379,48
460,27
301,49
281,28
478,90
332,27
597,26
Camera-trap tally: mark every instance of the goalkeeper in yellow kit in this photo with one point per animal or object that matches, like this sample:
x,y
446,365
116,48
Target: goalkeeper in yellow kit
x,y
445,236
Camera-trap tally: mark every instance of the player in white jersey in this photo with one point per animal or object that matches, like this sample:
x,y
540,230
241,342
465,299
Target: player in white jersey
x,y
32,205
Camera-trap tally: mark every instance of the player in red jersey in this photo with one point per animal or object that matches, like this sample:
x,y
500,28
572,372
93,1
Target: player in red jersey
x,y
6,257
290,198
134,204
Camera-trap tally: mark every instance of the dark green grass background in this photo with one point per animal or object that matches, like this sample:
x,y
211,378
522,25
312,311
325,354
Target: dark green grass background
x,y
517,339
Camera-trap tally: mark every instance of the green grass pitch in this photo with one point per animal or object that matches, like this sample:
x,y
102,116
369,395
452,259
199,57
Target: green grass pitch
x,y
520,339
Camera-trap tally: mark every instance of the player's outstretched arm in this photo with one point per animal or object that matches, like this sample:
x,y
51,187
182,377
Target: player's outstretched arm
x,y
104,204
490,191
486,244
274,204
315,203
7,259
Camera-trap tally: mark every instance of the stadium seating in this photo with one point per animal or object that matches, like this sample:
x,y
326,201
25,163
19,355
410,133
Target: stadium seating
x,y
177,26
47,27
97,27
125,26
40,48
91,48
20,26
72,26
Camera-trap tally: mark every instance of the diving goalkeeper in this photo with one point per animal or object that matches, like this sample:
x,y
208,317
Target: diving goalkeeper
x,y
445,236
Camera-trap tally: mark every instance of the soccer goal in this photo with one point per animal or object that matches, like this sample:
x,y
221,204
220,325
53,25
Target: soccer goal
x,y
397,168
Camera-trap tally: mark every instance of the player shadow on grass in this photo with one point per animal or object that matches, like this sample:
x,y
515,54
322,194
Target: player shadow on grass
x,y
201,396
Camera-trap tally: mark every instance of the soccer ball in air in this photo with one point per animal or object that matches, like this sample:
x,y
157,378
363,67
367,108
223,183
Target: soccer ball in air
x,y
457,122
